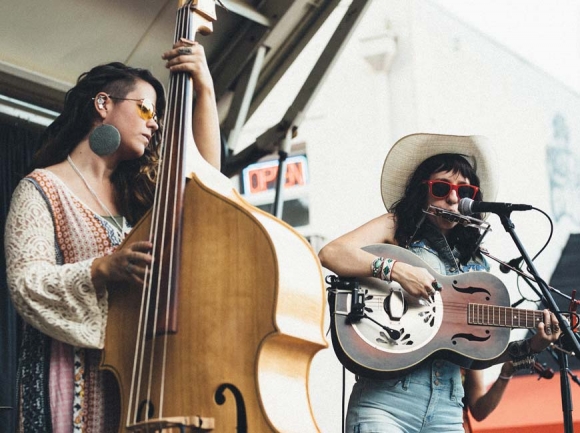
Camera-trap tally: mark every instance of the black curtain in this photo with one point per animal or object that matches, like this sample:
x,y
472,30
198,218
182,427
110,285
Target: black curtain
x,y
18,141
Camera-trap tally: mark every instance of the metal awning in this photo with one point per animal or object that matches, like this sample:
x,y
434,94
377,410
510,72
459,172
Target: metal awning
x,y
46,46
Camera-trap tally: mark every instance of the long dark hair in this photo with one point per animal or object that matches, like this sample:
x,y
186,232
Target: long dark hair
x,y
409,209
134,180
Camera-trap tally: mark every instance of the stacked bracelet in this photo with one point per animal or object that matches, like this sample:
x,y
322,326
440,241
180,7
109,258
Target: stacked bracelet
x,y
377,266
522,355
525,363
504,377
387,269
382,268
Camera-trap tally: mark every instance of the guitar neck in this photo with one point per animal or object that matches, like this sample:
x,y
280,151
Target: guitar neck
x,y
491,315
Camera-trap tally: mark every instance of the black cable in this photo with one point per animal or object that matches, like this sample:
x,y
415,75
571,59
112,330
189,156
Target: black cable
x,y
343,396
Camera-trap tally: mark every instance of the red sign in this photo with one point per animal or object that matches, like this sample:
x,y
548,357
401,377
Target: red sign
x,y
261,177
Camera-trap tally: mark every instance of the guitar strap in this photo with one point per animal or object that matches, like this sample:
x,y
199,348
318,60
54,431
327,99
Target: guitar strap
x,y
417,227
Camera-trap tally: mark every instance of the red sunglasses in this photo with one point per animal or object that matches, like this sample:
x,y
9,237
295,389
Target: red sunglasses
x,y
441,189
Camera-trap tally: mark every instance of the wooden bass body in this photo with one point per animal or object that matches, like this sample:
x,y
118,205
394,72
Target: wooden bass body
x,y
222,334
250,316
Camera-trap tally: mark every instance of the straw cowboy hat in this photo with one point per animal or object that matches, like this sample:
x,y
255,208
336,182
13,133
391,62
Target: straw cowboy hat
x,y
411,150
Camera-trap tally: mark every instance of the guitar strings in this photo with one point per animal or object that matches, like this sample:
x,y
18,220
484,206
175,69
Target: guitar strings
x,y
519,316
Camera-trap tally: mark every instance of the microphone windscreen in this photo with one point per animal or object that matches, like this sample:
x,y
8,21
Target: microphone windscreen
x,y
464,206
104,140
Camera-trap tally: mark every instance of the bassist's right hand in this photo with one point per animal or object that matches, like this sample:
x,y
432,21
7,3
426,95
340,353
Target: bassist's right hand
x,y
126,265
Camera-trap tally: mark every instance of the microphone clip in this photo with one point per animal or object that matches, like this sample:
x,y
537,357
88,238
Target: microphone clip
x,y
512,265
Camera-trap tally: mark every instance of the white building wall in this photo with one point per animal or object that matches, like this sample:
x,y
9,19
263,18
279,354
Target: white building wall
x,y
467,84
445,77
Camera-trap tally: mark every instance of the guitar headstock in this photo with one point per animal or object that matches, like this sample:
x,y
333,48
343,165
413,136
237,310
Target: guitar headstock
x,y
203,14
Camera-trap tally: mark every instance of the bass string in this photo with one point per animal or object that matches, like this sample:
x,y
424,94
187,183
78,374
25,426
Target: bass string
x,y
177,163
165,200
172,198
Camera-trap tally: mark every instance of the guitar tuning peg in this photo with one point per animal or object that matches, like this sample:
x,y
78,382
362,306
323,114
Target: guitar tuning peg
x,y
545,372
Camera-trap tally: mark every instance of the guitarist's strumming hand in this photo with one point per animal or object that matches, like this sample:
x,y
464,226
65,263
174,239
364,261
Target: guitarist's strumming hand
x,y
418,282
548,332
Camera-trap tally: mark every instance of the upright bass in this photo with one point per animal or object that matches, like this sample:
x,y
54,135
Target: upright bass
x,y
222,334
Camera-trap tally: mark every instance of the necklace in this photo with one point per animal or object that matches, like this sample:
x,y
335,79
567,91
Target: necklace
x,y
94,194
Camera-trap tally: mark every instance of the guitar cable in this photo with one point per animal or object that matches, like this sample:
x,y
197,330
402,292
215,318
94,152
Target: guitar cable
x,y
333,280
343,397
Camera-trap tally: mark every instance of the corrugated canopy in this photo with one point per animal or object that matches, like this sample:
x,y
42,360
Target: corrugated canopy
x,y
46,45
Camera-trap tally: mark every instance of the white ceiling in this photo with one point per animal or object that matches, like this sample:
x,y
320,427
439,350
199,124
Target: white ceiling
x,y
45,45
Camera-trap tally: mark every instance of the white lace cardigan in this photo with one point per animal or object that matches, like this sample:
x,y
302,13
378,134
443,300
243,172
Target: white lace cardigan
x,y
51,240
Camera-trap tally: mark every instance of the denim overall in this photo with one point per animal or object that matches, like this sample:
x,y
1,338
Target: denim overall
x,y
428,399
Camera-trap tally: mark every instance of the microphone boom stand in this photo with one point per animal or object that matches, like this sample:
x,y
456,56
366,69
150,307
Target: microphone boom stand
x,y
567,332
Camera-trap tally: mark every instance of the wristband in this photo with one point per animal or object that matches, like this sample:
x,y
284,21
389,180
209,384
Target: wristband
x,y
519,349
387,269
504,377
377,267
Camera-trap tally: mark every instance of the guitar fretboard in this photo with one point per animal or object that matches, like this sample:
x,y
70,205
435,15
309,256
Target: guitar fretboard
x,y
492,315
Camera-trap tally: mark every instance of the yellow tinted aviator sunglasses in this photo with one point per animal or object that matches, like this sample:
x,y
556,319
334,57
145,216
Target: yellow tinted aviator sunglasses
x,y
146,107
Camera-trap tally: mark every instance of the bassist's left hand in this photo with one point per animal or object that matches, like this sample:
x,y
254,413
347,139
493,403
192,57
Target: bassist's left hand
x,y
189,56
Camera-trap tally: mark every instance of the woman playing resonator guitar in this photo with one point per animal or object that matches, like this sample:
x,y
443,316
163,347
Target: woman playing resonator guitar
x,y
423,170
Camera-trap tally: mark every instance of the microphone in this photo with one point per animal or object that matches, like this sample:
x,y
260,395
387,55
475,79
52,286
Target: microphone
x,y
469,207
514,263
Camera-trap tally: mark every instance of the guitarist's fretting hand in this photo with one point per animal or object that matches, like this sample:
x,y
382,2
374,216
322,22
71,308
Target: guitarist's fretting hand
x,y
548,332
418,282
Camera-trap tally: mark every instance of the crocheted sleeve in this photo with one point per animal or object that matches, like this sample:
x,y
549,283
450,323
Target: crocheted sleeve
x,y
59,300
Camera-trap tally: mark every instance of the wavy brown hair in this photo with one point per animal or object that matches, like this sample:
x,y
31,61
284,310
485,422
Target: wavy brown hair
x,y
134,180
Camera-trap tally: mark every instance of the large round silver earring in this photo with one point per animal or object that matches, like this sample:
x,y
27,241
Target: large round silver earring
x,y
104,140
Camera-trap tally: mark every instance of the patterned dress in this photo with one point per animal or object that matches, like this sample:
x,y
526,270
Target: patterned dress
x,y
51,239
